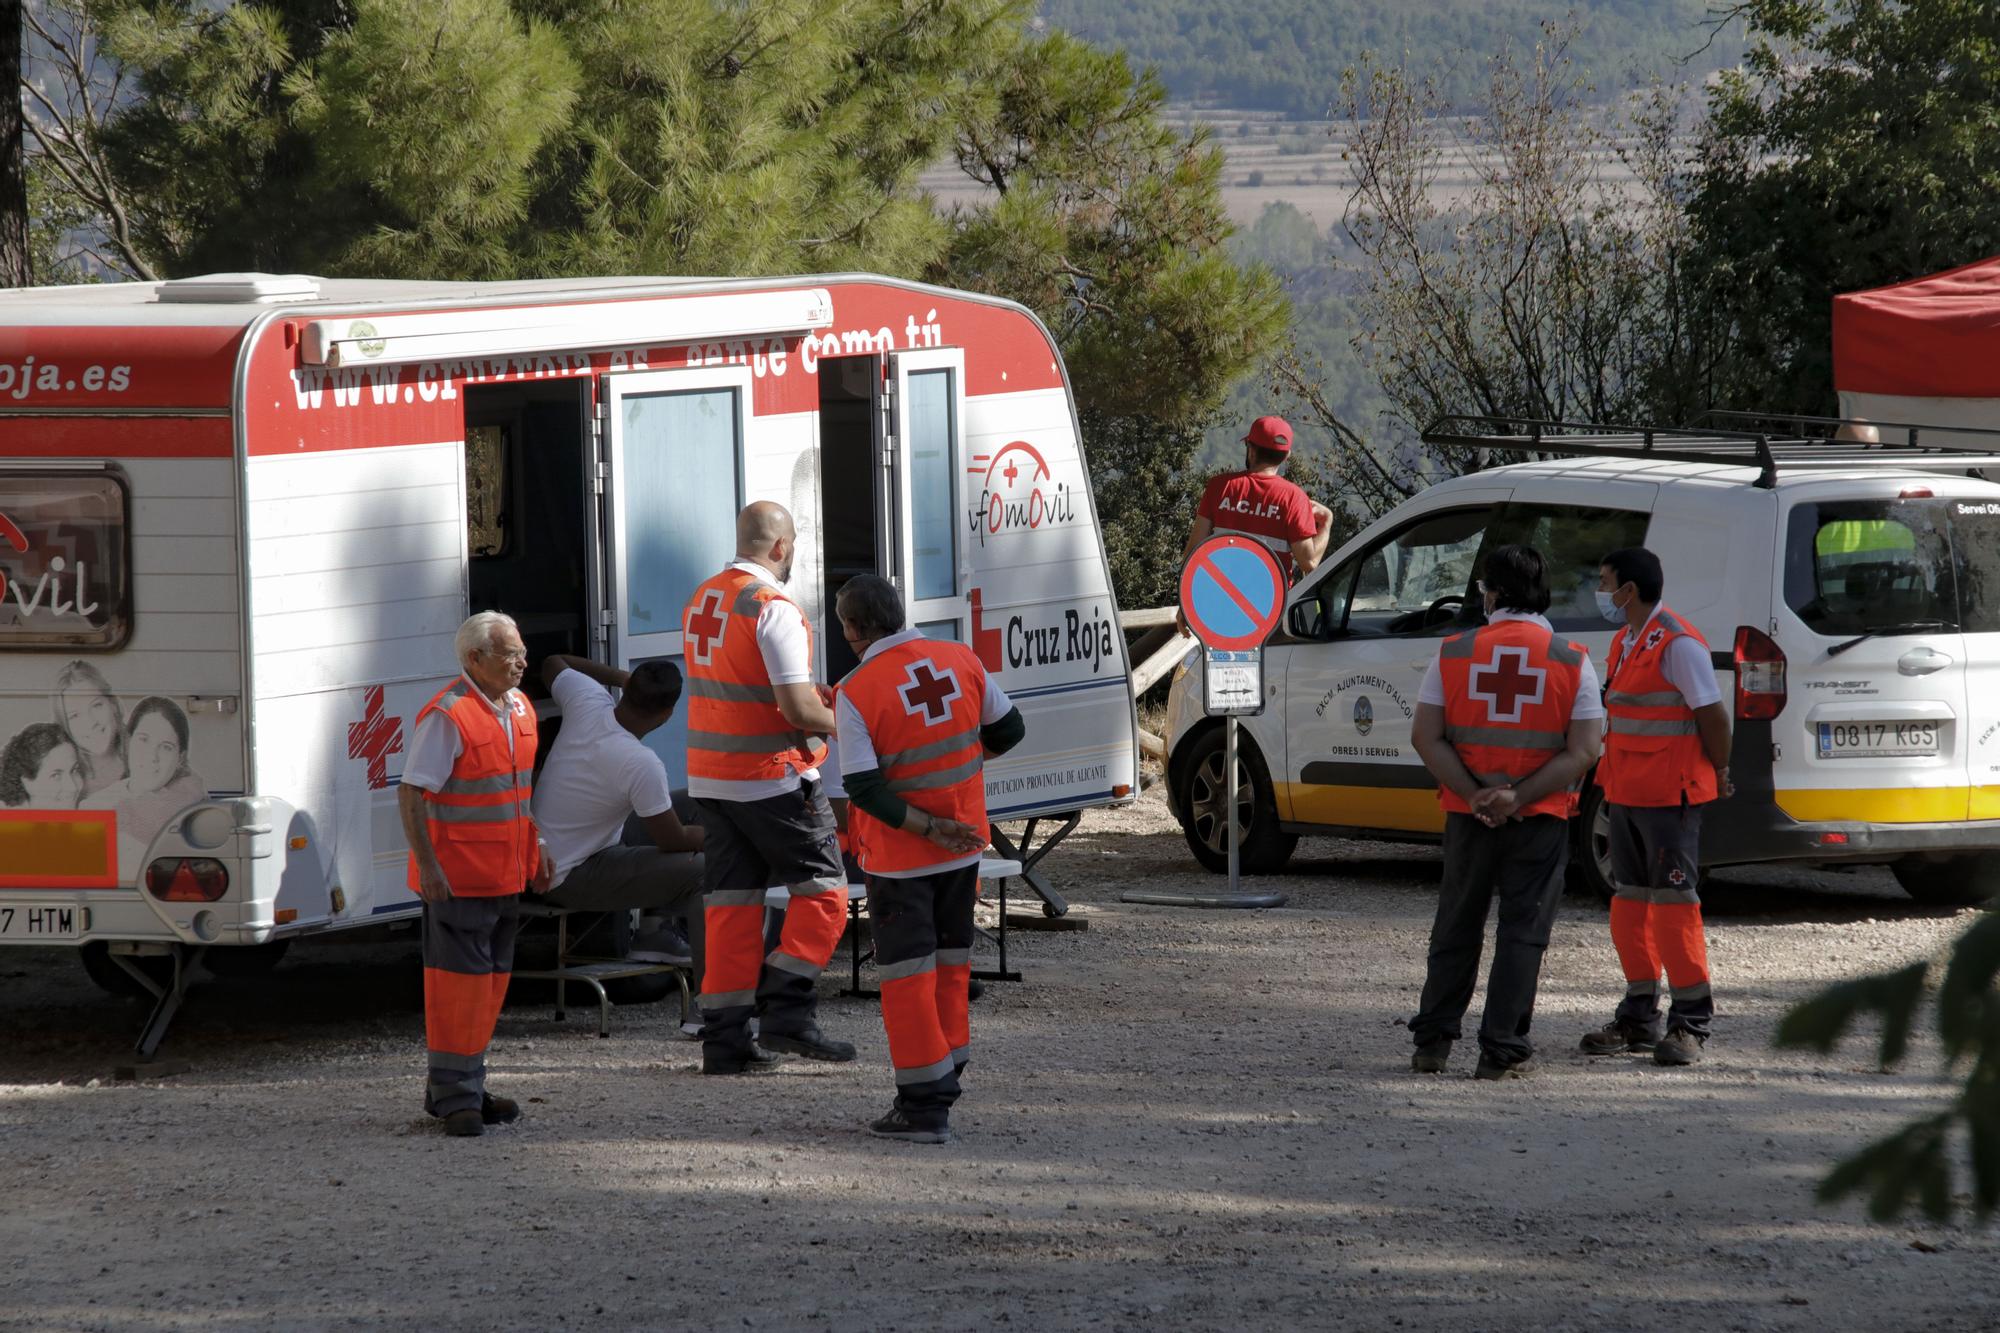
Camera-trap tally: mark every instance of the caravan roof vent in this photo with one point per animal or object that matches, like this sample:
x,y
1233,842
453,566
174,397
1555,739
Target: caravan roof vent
x,y
241,288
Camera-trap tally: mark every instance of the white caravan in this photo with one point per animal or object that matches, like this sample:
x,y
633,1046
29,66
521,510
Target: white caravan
x,y
241,516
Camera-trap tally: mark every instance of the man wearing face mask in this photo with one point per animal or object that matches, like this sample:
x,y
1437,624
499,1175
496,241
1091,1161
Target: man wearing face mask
x,y
756,737
1508,721
1666,755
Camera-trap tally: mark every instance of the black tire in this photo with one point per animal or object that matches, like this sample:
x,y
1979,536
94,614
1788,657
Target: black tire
x,y
1965,880
109,976
1590,846
251,960
1262,847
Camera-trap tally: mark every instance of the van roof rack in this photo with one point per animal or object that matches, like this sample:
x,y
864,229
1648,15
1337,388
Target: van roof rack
x,y
1806,442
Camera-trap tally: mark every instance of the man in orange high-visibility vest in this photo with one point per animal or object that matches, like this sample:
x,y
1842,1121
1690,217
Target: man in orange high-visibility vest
x,y
917,719
1666,755
1507,722
473,846
756,736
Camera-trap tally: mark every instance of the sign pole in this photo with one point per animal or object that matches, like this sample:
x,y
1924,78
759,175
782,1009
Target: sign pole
x,y
1229,788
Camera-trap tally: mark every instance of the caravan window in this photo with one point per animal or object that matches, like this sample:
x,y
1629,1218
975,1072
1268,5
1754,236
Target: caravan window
x,y
65,560
933,515
681,489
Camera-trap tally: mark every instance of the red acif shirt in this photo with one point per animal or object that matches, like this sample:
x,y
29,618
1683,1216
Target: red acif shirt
x,y
1262,507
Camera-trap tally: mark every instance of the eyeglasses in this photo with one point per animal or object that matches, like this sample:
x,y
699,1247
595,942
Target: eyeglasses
x,y
520,658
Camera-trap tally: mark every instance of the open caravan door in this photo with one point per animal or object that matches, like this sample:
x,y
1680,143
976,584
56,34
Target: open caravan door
x,y
670,472
926,438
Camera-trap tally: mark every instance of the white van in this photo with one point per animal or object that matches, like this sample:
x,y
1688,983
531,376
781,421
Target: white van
x,y
1850,596
241,517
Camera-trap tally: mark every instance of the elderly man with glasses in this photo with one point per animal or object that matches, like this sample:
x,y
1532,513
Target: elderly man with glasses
x,y
473,847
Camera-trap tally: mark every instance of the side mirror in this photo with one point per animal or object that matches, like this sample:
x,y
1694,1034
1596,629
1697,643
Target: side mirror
x,y
1303,621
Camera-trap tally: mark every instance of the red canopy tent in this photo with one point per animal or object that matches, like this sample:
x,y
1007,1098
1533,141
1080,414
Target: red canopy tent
x,y
1925,351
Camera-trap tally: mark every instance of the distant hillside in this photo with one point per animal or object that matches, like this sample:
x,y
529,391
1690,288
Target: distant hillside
x,y
1287,55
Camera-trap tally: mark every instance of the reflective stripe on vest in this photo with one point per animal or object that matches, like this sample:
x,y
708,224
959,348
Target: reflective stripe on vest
x,y
736,731
920,702
1509,689
1653,755
478,818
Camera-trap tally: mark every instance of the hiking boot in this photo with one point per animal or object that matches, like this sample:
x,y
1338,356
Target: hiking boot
x,y
748,1061
809,1042
1431,1057
498,1110
1679,1047
465,1124
898,1125
1489,1068
1616,1038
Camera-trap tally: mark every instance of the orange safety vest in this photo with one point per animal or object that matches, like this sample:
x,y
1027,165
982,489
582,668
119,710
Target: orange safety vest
x,y
1508,690
479,823
736,732
1653,754
921,703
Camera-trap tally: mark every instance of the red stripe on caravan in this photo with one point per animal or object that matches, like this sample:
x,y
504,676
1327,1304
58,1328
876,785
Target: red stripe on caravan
x,y
116,437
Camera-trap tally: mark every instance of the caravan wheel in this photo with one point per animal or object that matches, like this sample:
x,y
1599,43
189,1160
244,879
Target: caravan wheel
x,y
96,959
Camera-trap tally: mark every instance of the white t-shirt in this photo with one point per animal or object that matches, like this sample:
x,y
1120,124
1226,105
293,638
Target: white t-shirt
x,y
786,646
434,749
1589,704
1687,667
857,747
597,774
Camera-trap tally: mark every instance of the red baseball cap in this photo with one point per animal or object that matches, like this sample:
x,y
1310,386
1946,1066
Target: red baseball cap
x,y
1270,433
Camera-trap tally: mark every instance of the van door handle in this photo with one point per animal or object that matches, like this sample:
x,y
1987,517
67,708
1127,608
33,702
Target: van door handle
x,y
1922,661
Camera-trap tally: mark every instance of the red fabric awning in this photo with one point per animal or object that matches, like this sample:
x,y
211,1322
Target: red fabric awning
x,y
1930,337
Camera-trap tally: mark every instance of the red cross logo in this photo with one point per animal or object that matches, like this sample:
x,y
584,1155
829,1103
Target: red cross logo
x,y
1011,472
986,641
705,623
1509,686
374,738
929,692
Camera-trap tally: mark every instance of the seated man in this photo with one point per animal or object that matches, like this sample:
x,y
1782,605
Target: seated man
x,y
597,775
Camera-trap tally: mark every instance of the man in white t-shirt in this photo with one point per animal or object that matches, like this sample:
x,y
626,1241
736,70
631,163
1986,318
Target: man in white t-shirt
x,y
599,775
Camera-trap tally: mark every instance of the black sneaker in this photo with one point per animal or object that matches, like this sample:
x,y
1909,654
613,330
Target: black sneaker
x,y
498,1110
1431,1057
1679,1047
898,1125
750,1061
1489,1068
465,1124
665,945
810,1042
1616,1038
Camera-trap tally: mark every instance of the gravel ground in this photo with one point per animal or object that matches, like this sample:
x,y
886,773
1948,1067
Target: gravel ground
x,y
1182,1119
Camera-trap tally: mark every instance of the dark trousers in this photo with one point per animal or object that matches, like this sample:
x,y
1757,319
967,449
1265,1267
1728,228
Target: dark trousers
x,y
1521,862
923,954
468,961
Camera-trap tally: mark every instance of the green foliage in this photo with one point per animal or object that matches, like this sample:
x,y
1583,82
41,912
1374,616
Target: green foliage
x,y
1286,55
1856,147
1914,1165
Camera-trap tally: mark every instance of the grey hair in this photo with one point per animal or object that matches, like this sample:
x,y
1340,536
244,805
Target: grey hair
x,y
869,603
477,633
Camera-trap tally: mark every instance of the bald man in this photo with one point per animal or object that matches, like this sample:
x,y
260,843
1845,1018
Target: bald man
x,y
756,736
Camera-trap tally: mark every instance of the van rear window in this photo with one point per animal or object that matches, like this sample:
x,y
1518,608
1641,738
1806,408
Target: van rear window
x,y
1857,565
65,560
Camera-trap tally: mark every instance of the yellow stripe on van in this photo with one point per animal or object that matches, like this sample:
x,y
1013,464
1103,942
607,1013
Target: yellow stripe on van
x,y
1401,809
1985,803
1887,805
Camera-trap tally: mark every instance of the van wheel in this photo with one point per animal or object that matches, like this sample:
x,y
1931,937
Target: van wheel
x,y
96,959
1950,881
1590,851
1262,847
249,960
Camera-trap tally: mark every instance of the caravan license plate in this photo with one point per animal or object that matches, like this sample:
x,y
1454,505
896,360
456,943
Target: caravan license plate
x,y
27,923
1877,740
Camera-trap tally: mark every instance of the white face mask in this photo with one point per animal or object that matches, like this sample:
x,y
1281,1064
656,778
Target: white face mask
x,y
1607,606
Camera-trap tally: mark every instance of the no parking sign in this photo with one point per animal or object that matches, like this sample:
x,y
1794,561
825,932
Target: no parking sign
x,y
1232,592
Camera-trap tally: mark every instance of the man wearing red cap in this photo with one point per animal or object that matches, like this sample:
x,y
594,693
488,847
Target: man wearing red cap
x,y
1259,504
